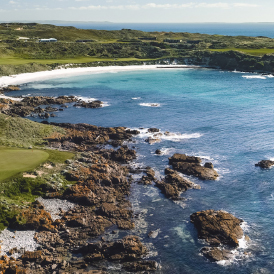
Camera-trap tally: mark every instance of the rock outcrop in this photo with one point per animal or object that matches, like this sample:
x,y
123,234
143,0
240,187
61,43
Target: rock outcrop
x,y
220,229
191,165
174,184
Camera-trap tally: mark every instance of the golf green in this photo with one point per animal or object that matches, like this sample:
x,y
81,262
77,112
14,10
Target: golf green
x,y
13,161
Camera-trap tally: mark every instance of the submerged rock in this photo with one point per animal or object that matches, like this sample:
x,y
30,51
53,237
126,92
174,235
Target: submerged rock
x,y
265,164
191,165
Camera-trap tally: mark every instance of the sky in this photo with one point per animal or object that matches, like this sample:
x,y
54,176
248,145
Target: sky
x,y
141,11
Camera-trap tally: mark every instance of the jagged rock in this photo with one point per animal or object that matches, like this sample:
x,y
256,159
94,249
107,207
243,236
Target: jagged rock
x,y
174,184
265,164
190,165
218,227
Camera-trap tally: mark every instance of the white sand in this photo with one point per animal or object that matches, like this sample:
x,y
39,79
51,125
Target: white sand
x,y
59,73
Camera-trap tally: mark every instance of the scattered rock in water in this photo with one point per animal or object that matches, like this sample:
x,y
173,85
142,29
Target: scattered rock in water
x,y
265,164
92,104
191,165
218,227
221,230
158,152
153,130
174,184
153,140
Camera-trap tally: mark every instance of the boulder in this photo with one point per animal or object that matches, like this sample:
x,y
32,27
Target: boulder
x,y
265,164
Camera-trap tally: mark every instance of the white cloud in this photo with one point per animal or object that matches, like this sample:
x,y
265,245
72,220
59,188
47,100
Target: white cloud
x,y
245,5
164,6
12,2
213,5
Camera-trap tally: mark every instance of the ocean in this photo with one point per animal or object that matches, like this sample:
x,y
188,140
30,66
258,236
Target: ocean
x,y
231,29
223,117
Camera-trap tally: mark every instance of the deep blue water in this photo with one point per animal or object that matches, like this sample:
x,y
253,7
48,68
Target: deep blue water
x,y
219,116
231,29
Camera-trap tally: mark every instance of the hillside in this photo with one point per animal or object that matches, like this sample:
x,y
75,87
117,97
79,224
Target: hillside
x,y
20,50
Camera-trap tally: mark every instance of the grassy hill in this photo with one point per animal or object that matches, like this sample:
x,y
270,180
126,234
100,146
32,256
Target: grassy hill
x,y
126,46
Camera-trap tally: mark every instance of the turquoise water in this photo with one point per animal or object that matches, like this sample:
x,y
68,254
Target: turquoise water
x,y
222,117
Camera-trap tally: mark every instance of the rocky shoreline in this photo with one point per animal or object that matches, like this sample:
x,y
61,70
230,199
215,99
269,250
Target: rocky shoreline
x,y
100,186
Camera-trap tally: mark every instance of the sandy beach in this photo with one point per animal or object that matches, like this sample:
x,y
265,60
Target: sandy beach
x,y
67,72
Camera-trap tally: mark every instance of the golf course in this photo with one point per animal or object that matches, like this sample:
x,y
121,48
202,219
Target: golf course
x,y
13,161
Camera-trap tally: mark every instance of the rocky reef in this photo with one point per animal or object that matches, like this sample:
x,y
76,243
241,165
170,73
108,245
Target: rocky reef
x,y
35,105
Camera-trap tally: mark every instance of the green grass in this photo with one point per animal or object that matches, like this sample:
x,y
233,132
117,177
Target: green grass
x,y
57,156
14,161
78,60
256,52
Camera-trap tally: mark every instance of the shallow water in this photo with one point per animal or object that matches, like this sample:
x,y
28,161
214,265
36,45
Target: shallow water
x,y
223,117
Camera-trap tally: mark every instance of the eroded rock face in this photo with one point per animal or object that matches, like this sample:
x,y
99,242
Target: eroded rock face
x,y
265,164
190,165
174,184
218,227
